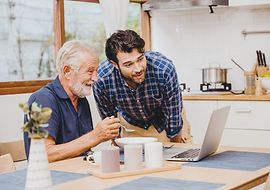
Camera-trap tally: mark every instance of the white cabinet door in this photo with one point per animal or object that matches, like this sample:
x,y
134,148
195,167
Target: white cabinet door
x,y
246,138
248,2
248,124
198,115
249,115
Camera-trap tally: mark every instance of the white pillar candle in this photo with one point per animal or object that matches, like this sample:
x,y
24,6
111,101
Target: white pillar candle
x,y
110,160
133,157
153,155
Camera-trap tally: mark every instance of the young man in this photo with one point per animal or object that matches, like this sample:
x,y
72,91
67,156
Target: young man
x,y
70,127
142,86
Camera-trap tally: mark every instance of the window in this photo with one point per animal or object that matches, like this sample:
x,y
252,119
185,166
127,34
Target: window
x,y
26,40
84,21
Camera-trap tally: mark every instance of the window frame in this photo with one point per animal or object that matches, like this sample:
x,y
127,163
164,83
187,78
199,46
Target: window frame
x,y
29,86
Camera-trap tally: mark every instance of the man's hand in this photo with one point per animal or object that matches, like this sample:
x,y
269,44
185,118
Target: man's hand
x,y
182,138
107,129
178,139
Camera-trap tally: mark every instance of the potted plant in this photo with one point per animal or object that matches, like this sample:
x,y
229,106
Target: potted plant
x,y
38,173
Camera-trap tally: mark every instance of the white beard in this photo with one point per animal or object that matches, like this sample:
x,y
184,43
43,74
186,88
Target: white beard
x,y
80,90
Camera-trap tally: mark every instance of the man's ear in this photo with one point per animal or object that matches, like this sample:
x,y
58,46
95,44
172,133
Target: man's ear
x,y
67,71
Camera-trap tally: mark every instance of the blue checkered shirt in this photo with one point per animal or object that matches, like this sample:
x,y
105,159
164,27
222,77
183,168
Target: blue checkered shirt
x,y
156,101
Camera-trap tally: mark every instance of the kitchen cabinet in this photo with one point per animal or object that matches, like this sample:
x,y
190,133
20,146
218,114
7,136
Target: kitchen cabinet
x,y
251,115
248,2
247,123
246,138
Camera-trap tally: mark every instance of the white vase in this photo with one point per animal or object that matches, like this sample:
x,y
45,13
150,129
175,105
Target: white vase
x,y
38,173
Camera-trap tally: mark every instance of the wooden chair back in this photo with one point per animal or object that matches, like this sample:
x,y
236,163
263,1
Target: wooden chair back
x,y
14,148
6,163
267,183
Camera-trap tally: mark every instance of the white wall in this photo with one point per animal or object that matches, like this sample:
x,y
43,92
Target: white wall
x,y
11,116
194,38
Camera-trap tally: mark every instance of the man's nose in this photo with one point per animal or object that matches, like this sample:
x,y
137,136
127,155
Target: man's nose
x,y
137,67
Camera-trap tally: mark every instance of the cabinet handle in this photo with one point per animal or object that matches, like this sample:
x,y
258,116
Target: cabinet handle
x,y
243,110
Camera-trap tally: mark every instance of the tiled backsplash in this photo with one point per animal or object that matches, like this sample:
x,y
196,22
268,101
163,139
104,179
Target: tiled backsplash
x,y
194,39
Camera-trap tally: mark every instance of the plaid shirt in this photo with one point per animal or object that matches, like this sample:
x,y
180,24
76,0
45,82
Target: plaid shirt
x,y
156,101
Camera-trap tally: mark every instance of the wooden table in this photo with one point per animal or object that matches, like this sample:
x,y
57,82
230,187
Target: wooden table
x,y
234,179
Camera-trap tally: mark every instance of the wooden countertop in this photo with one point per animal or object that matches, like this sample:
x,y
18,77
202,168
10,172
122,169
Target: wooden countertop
x,y
226,97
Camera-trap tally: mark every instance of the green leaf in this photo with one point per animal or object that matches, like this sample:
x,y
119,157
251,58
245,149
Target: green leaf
x,y
24,106
37,118
45,114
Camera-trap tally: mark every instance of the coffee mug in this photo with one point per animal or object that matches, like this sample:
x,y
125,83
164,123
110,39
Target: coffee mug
x,y
110,160
133,157
153,155
97,157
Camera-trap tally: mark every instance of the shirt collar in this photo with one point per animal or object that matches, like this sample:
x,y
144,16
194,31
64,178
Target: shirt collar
x,y
58,88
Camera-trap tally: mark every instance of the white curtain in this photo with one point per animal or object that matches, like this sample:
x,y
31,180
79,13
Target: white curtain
x,y
114,14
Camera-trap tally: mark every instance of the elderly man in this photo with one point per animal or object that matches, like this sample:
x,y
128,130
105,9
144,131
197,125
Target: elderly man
x,y
71,131
143,87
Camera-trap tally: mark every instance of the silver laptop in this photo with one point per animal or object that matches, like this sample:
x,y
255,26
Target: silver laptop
x,y
210,143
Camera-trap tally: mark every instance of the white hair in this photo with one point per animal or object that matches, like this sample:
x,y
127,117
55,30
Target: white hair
x,y
70,52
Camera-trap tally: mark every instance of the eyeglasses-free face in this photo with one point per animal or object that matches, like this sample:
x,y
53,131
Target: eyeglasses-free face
x,y
132,67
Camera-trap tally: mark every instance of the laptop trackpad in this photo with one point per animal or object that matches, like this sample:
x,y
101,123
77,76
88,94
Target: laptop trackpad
x,y
168,153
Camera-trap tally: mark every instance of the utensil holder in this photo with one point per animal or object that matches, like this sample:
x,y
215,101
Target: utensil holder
x,y
250,82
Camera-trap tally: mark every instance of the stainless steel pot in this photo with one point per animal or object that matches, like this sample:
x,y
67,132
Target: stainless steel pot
x,y
214,75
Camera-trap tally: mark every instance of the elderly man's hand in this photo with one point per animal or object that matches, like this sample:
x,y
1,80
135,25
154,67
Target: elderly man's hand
x,y
108,129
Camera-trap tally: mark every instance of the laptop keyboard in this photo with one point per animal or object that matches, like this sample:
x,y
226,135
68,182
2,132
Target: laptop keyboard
x,y
190,153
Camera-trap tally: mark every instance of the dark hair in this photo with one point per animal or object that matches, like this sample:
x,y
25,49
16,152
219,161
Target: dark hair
x,y
124,41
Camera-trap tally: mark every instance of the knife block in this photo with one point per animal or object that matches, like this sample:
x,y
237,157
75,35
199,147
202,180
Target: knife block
x,y
261,70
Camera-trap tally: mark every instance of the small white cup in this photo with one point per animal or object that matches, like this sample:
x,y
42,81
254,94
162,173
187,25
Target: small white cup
x,y
97,157
153,155
133,157
110,160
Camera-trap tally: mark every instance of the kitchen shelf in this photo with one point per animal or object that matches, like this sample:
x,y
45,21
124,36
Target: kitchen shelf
x,y
245,32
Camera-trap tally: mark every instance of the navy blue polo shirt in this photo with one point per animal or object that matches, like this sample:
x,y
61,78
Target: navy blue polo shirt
x,y
65,123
